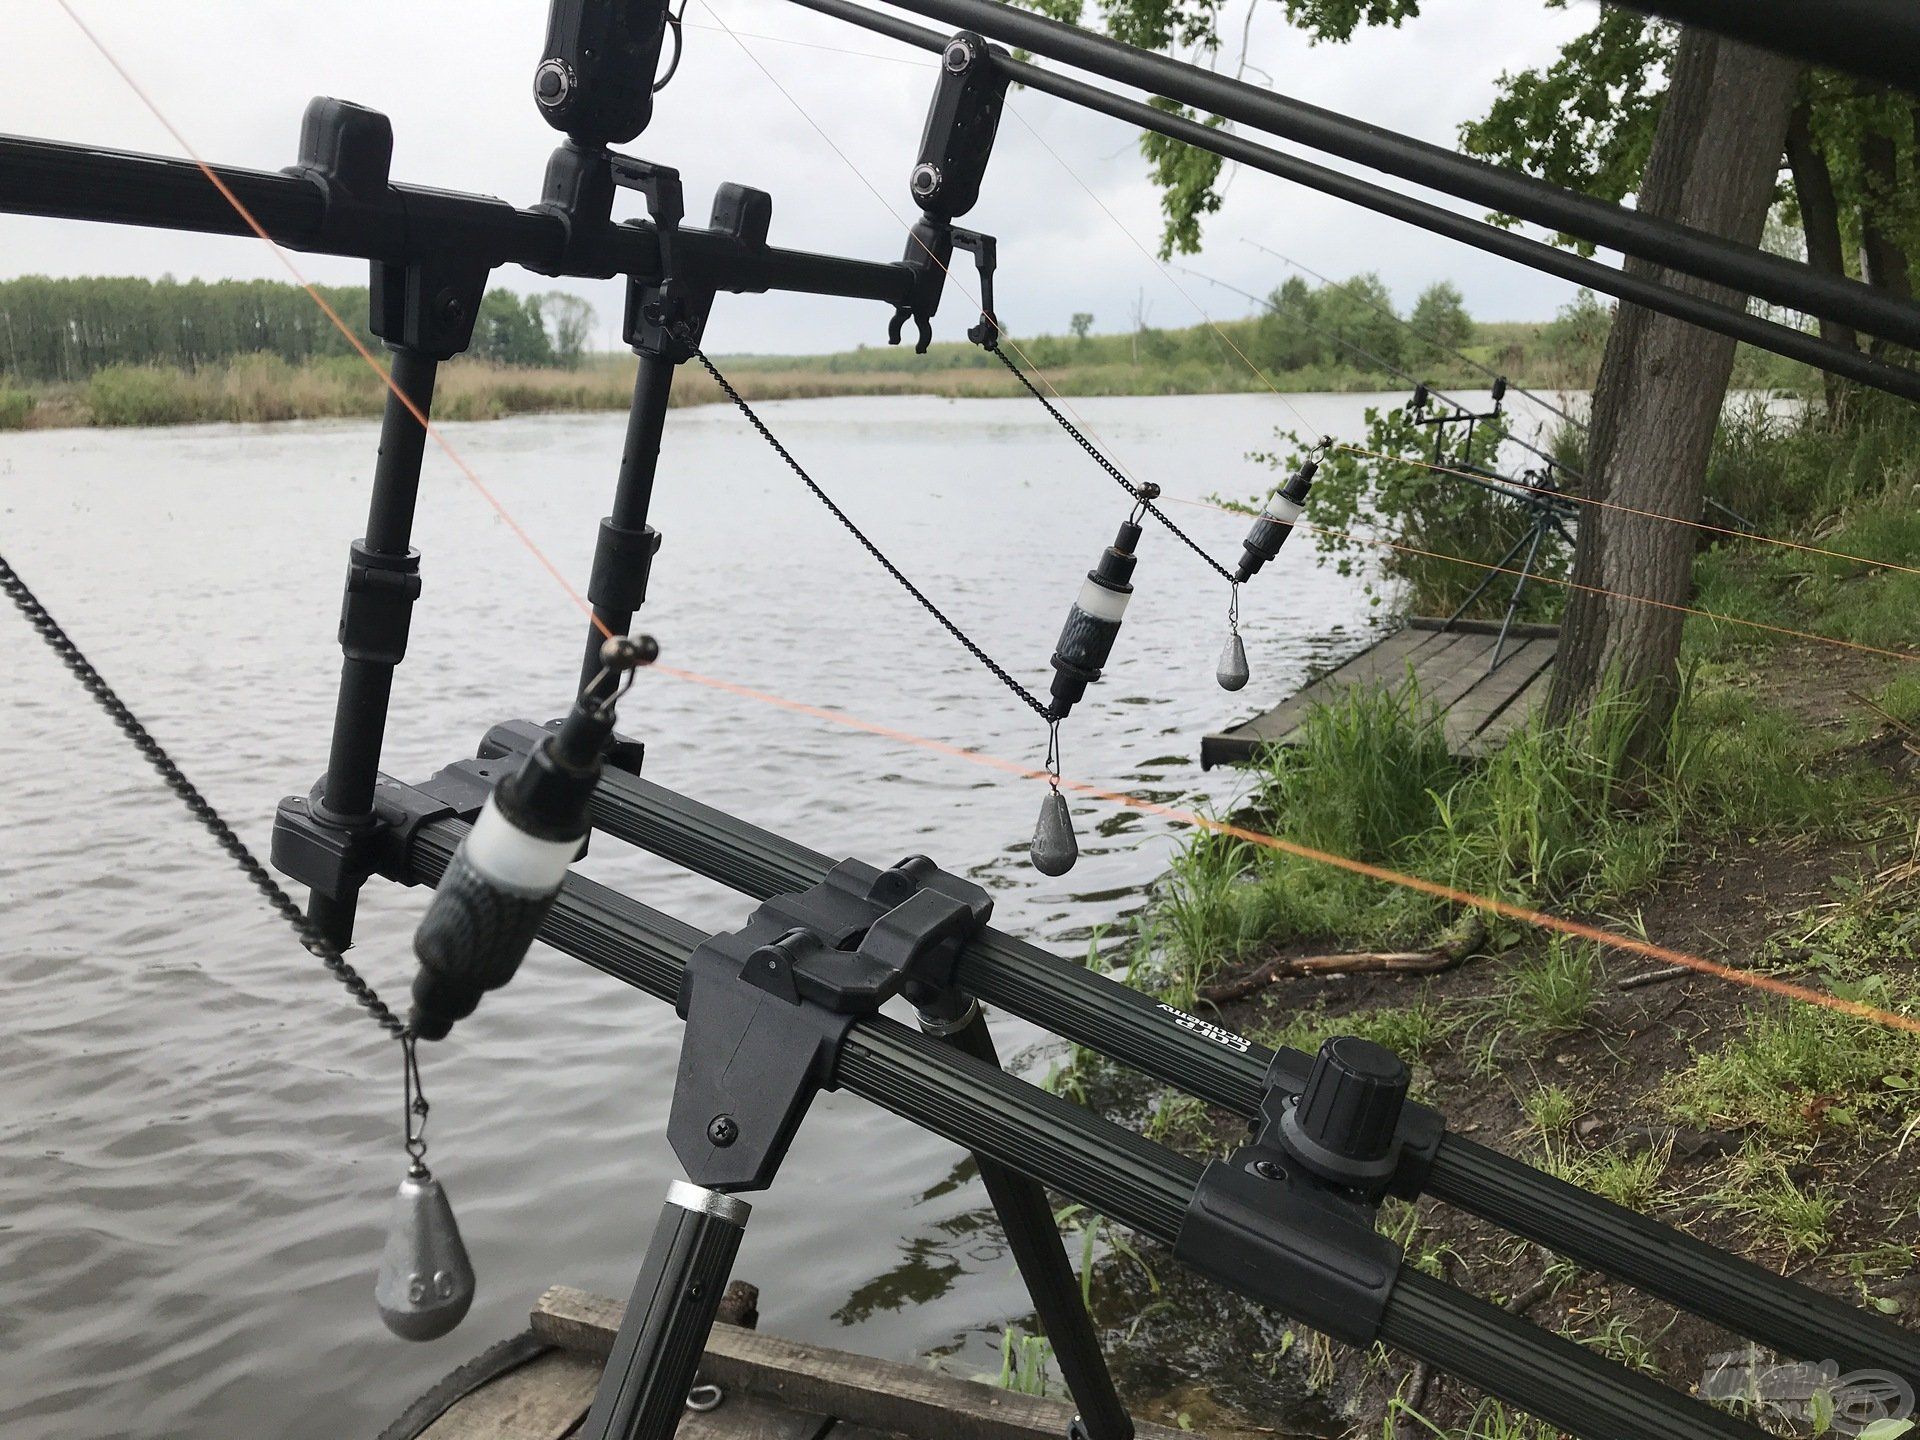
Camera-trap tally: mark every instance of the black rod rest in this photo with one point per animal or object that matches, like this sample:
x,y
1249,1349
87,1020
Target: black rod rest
x,y
1228,1070
1092,1160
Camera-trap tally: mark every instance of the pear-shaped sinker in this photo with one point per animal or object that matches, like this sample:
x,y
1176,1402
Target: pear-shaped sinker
x,y
1054,849
1232,672
426,1281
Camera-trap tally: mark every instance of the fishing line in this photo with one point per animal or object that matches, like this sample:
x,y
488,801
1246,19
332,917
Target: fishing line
x,y
1708,526
1523,914
1713,615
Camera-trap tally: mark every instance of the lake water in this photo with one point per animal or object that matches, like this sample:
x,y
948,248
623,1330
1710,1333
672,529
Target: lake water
x,y
198,1135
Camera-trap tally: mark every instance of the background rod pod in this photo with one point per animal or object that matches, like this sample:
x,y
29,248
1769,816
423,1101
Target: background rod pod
x,y
1027,1220
382,581
1229,1071
657,1351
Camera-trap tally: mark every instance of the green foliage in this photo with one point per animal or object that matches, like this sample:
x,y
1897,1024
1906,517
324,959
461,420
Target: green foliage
x,y
137,395
1441,325
1586,122
1081,324
1188,179
1435,519
67,330
1023,1361
15,406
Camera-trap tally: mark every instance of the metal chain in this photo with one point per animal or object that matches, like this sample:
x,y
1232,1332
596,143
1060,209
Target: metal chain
x,y
62,645
1145,501
1044,711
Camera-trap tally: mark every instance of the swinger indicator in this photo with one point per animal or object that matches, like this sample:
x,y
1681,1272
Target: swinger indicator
x,y
1093,624
504,878
1276,521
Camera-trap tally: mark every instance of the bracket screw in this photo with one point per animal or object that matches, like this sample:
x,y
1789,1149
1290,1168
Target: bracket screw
x,y
451,308
1267,1170
723,1130
926,181
958,55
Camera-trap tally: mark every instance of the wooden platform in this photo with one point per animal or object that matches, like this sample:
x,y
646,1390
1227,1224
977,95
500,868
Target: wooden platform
x,y
540,1387
1480,704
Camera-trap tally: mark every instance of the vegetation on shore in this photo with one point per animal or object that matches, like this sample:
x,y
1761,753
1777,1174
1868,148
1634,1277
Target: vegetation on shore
x,y
1777,834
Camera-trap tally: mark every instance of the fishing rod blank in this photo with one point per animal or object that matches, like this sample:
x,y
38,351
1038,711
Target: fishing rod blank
x,y
1679,247
1577,269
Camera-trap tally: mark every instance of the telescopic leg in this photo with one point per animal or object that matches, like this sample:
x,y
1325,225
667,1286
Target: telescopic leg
x,y
656,1354
1027,1219
1519,589
382,581
624,555
1495,569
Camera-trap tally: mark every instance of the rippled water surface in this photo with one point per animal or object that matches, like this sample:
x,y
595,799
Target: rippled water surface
x,y
198,1138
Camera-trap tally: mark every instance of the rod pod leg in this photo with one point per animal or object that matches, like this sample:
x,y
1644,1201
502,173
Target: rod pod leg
x,y
656,1354
382,581
1027,1219
624,555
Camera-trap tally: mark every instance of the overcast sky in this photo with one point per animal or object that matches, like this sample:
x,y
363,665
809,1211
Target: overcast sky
x,y
454,76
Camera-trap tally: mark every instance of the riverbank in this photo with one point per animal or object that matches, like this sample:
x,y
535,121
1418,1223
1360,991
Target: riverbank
x,y
1779,838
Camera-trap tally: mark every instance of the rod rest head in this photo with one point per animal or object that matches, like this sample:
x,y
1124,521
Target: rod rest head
x,y
768,1006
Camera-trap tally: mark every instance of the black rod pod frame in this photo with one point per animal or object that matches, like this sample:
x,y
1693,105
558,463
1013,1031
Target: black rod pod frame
x,y
1299,1243
1239,1075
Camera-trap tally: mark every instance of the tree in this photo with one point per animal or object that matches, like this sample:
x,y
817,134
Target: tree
x,y
1360,312
568,321
508,331
1285,337
1081,323
1441,325
1713,163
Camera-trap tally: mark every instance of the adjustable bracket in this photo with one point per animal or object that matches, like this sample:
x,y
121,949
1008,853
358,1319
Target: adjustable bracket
x,y
768,1005
1292,1214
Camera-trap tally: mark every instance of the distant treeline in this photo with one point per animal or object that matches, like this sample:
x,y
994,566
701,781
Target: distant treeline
x,y
67,330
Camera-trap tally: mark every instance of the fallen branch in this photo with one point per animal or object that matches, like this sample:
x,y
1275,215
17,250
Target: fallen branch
x,y
1655,977
1446,956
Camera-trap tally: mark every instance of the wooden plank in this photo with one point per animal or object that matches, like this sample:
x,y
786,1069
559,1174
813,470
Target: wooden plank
x,y
1495,732
844,1431
1447,678
910,1399
1385,661
748,1417
1517,670
542,1400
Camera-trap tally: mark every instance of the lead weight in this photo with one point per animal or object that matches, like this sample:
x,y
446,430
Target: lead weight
x,y
1054,848
426,1282
1232,671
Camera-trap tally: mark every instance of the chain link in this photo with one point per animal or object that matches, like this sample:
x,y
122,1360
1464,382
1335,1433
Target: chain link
x,y
201,808
1144,501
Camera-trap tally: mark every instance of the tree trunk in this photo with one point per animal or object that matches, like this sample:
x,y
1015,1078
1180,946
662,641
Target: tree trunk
x,y
1883,259
1820,223
1714,162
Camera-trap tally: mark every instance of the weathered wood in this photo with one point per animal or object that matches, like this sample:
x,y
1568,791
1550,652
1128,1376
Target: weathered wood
x,y
748,1417
542,1400
1452,669
1493,734
908,1399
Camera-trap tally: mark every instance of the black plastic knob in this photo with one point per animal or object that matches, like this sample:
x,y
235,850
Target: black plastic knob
x,y
1344,1123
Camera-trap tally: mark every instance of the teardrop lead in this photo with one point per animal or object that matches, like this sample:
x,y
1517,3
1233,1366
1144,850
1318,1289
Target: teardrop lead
x,y
1232,671
1054,849
426,1281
